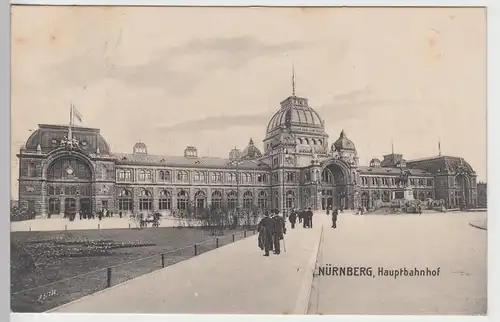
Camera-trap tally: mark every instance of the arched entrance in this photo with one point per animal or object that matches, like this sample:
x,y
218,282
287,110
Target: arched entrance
x,y
335,186
69,186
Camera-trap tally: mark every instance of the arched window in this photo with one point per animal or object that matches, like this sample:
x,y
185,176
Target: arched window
x,y
199,176
145,200
216,177
121,175
232,200
183,176
165,200
290,199
125,200
182,200
386,196
327,176
231,177
290,177
128,175
51,191
70,169
216,199
247,199
161,175
142,175
148,175
200,199
58,191
262,201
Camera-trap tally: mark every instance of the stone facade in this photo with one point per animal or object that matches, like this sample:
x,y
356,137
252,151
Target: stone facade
x,y
482,194
72,170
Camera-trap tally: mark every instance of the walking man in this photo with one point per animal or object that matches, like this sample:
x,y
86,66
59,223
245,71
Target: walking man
x,y
279,231
266,228
293,218
309,217
334,218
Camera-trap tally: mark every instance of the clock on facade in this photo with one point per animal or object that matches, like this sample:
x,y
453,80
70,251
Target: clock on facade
x,y
69,170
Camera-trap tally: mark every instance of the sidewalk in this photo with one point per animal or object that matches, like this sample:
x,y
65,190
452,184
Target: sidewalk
x,y
58,224
234,279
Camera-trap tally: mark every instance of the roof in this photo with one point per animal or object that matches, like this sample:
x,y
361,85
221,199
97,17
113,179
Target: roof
x,y
295,111
392,159
49,138
440,164
186,162
391,171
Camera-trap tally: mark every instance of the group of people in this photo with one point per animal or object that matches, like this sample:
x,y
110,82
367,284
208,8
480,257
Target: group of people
x,y
271,231
305,216
272,227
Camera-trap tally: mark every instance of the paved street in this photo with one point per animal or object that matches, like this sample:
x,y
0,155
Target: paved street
x,y
431,240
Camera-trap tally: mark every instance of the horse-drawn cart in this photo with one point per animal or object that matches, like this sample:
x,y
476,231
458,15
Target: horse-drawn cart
x,y
154,220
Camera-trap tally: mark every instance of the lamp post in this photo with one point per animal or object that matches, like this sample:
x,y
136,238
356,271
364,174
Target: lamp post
x,y
315,198
342,199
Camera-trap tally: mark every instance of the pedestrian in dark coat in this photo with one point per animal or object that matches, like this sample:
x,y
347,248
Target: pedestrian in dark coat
x,y
308,217
279,232
334,218
300,215
266,229
293,218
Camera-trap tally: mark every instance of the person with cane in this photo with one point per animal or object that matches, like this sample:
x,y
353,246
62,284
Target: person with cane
x,y
279,232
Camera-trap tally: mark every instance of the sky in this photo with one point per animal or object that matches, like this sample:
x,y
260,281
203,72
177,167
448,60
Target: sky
x,y
213,77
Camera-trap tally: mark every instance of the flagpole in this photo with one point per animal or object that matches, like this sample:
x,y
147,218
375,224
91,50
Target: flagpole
x,y
70,134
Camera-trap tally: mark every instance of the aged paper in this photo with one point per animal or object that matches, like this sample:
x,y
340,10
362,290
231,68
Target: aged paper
x,y
249,160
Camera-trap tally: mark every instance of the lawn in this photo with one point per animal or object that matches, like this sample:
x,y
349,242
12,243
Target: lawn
x,y
40,258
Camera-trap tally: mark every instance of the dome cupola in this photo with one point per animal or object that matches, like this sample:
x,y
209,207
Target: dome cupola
x,y
374,163
251,151
140,148
343,143
234,154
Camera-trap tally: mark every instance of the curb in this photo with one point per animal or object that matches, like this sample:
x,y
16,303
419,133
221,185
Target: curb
x,y
477,226
302,303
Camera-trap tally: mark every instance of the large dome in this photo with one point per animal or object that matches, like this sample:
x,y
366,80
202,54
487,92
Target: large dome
x,y
295,112
49,137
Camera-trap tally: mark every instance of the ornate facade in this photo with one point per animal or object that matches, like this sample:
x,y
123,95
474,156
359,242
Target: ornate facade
x,y
72,170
